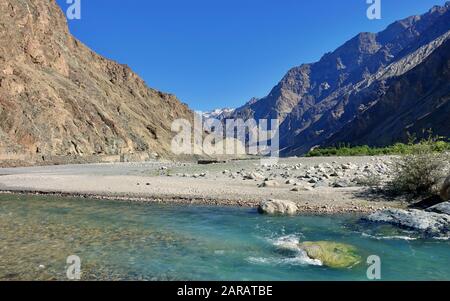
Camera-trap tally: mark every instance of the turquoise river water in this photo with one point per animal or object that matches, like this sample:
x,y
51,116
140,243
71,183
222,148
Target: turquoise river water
x,y
132,241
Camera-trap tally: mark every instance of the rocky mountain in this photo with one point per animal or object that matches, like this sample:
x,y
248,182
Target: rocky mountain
x,y
60,100
415,102
323,102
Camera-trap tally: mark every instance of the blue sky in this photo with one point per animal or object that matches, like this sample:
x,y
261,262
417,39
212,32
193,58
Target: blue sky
x,y
220,53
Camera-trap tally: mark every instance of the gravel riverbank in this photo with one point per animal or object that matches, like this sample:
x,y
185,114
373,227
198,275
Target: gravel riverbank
x,y
316,185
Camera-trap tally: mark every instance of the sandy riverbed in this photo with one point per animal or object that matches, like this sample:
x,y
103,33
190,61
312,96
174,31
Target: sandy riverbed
x,y
217,184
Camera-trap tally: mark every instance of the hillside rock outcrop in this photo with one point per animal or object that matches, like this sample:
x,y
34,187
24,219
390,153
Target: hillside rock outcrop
x,y
329,102
59,99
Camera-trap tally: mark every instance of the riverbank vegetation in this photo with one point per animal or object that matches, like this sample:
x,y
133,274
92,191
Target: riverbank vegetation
x,y
422,170
431,145
417,170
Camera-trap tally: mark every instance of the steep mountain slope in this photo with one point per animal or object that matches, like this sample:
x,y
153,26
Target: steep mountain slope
x,y
416,101
59,99
314,101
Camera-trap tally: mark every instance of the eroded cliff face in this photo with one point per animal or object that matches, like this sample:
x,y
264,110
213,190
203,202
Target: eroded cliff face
x,y
415,102
60,99
316,101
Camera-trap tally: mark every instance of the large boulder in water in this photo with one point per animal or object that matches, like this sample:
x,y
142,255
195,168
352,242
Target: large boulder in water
x,y
428,223
278,207
445,190
332,254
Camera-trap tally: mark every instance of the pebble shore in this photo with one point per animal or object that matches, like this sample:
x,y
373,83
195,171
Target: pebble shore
x,y
317,185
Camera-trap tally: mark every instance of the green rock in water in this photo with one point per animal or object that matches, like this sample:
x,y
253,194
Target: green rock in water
x,y
332,254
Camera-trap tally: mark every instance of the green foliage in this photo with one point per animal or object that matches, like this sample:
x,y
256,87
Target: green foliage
x,y
432,145
418,168
420,171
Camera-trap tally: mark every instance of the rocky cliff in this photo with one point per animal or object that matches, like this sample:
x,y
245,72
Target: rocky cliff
x,y
415,102
59,99
317,101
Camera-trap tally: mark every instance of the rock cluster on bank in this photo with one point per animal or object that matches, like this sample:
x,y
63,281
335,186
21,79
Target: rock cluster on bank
x,y
301,177
443,208
430,224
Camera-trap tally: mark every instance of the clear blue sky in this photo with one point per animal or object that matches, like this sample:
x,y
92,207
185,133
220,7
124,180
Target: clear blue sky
x,y
220,53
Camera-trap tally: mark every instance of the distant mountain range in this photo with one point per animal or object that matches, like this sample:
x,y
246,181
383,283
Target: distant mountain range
x,y
375,89
61,101
219,113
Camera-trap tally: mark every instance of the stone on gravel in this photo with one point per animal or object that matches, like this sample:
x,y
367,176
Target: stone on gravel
x,y
302,188
277,207
347,166
321,184
270,183
253,176
341,184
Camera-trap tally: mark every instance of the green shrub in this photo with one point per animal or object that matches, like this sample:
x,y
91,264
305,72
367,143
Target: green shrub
x,y
421,169
431,145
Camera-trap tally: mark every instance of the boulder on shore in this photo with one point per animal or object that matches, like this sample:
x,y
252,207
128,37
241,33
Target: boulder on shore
x,y
445,190
253,176
278,207
332,254
428,223
443,208
270,183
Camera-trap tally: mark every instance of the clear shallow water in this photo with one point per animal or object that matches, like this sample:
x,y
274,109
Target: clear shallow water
x,y
128,241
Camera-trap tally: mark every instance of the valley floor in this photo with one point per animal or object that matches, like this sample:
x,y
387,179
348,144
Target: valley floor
x,y
317,185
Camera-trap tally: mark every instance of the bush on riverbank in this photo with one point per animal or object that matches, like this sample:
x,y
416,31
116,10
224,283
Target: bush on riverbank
x,y
422,170
418,169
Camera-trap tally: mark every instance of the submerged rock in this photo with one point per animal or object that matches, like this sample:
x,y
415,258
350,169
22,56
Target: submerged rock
x,y
443,208
332,254
280,207
428,223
